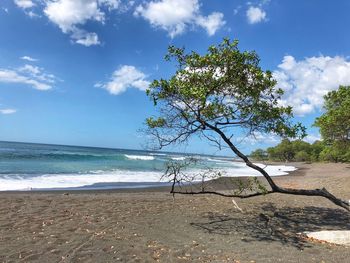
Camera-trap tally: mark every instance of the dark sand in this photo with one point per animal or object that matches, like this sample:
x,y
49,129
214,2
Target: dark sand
x,y
148,226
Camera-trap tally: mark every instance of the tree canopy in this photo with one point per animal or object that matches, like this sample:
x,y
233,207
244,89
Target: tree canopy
x,y
289,151
224,89
334,125
218,95
335,122
259,155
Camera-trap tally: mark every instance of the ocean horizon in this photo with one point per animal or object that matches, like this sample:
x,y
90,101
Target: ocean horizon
x,y
33,166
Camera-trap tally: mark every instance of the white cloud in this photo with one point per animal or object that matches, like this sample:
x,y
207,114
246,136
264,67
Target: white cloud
x,y
237,9
255,15
111,4
38,73
175,16
31,14
85,38
11,76
125,6
311,138
28,75
258,138
123,78
70,15
211,23
28,6
7,111
34,70
24,4
28,58
305,82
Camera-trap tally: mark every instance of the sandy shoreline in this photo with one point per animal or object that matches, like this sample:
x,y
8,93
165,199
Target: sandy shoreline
x,y
149,226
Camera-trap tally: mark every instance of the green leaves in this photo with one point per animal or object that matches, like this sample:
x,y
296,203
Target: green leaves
x,y
223,88
249,185
155,123
259,155
334,124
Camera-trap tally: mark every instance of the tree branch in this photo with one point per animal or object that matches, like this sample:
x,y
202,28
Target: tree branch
x,y
220,194
275,188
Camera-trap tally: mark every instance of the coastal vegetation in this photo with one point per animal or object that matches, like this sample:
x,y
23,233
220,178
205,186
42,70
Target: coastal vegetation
x,y
217,96
334,126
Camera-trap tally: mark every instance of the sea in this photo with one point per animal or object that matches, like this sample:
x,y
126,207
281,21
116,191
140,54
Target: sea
x,y
29,166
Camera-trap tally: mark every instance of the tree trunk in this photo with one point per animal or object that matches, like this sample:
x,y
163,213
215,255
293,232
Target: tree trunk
x,y
275,188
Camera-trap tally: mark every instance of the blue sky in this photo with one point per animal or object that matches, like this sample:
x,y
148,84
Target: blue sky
x,y
74,71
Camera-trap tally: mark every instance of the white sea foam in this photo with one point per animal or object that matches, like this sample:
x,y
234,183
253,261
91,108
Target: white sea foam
x,y
76,153
18,182
240,169
178,158
139,157
218,160
76,180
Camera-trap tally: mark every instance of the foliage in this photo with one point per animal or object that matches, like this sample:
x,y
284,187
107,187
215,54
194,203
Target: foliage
x,y
338,151
302,156
224,89
316,149
259,155
181,176
301,151
301,146
250,184
334,124
217,96
282,152
297,150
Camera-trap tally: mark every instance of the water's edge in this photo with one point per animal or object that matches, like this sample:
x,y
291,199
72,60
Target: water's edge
x,y
28,167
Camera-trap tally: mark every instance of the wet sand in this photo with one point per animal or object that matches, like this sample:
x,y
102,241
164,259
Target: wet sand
x,y
150,226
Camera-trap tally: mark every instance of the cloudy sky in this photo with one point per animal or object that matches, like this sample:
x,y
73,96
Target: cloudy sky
x,y
75,71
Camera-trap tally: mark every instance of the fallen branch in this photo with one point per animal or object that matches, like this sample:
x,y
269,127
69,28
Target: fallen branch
x,y
220,194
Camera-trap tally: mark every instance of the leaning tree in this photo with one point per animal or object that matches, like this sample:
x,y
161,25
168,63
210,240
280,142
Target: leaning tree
x,y
217,96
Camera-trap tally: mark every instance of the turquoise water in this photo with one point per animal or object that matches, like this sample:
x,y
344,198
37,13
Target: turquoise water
x,y
25,166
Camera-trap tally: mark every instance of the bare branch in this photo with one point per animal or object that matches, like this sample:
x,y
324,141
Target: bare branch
x,y
221,194
317,192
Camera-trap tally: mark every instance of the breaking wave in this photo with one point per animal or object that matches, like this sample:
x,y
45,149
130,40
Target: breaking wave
x,y
139,157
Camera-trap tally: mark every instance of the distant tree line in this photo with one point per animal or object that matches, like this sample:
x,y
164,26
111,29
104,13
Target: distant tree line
x,y
301,151
334,126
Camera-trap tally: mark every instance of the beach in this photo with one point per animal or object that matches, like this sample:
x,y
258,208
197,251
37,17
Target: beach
x,y
148,225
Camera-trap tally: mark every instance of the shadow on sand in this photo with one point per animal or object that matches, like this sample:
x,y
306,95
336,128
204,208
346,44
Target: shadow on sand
x,y
275,224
